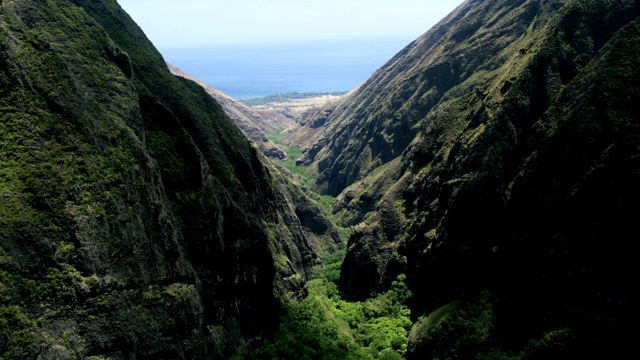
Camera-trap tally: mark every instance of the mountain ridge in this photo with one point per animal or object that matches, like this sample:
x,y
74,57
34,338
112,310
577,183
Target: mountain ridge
x,y
136,221
386,136
485,171
253,124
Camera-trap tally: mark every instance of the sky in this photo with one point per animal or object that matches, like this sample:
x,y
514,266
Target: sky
x,y
171,23
253,48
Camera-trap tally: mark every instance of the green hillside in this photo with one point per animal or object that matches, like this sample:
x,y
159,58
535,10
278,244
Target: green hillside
x,y
136,221
493,161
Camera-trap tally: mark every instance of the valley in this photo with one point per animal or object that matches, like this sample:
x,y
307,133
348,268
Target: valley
x,y
475,198
440,163
325,324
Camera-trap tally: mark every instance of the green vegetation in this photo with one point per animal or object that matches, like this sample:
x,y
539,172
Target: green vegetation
x,y
326,202
325,326
457,329
299,174
292,152
286,97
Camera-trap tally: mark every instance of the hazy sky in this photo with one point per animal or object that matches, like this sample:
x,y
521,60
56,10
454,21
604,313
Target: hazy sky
x,y
193,22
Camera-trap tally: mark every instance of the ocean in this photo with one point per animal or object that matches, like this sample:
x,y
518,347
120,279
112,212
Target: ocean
x,y
257,70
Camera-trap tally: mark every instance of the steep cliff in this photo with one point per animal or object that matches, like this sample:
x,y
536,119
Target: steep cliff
x,y
494,161
136,221
535,196
378,120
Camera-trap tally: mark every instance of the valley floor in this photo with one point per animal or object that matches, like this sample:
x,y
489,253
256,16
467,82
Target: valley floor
x,y
325,325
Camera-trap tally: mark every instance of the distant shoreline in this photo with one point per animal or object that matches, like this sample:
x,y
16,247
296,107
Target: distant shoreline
x,y
288,96
246,71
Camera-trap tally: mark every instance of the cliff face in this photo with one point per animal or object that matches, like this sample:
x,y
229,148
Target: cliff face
x,y
378,120
493,161
136,221
535,195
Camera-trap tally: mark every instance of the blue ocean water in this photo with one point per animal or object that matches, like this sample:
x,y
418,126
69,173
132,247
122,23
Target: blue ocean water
x,y
255,70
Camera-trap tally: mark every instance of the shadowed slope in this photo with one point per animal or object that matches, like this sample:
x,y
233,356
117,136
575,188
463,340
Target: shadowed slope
x,y
510,136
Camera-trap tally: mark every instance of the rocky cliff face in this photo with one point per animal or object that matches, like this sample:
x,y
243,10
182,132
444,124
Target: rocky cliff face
x,y
377,121
136,221
493,161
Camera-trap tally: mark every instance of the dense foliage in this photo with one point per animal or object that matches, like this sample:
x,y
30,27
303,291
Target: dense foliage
x,y
325,326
